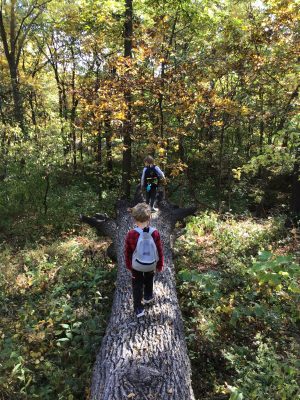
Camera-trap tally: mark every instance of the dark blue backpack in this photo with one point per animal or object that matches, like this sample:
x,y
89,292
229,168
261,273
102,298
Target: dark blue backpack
x,y
151,177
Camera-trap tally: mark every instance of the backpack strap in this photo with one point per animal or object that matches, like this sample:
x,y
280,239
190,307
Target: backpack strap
x,y
151,230
140,230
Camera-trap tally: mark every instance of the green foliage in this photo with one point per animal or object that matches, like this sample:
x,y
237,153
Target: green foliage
x,y
231,292
269,375
55,300
226,240
276,271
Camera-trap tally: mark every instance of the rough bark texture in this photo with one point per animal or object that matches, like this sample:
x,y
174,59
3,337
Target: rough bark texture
x,y
144,358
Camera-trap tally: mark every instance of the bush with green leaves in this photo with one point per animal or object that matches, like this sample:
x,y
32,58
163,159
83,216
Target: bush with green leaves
x,y
234,284
270,375
55,301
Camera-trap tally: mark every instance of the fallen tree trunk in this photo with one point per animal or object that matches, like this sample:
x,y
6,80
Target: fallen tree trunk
x,y
143,358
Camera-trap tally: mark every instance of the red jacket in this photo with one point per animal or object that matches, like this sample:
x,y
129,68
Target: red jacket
x,y
130,245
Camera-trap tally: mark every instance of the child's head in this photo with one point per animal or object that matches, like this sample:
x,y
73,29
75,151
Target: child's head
x,y
149,160
141,212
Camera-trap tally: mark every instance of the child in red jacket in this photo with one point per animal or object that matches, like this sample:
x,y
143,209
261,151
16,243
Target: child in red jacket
x,y
143,256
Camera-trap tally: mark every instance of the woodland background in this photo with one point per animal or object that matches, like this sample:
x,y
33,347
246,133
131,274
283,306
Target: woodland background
x,y
210,88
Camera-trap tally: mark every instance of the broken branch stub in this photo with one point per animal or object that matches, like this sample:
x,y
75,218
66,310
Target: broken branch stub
x,y
104,225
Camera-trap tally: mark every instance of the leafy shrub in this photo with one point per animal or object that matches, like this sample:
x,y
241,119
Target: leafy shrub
x,y
55,300
231,290
269,375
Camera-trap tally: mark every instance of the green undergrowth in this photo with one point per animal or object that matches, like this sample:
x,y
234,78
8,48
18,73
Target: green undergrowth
x,y
29,210
238,284
55,299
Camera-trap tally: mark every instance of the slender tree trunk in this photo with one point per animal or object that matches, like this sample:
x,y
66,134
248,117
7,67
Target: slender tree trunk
x,y
249,141
108,140
31,103
99,145
10,50
162,78
285,113
4,151
47,179
127,128
59,89
221,152
18,105
261,122
81,146
74,102
295,198
160,103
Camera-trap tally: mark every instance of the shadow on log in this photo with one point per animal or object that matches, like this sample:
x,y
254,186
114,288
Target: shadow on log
x,y
146,358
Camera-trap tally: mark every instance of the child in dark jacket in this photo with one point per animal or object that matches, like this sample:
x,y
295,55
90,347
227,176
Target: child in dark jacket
x,y
142,270
152,175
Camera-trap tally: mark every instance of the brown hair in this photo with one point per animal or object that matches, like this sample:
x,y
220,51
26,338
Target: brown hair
x,y
141,212
149,160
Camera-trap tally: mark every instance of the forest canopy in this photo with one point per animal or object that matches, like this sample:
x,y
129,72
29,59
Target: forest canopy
x,y
209,88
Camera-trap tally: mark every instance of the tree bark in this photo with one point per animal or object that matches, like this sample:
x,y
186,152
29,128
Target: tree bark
x,y
108,140
145,358
162,78
99,146
74,101
10,51
128,130
221,154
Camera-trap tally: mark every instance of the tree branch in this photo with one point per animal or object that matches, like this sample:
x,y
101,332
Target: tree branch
x,y
4,36
104,225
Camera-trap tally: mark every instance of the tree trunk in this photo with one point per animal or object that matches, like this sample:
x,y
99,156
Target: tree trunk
x,y
221,154
99,146
13,39
31,96
295,199
18,105
145,358
5,142
109,159
74,101
128,130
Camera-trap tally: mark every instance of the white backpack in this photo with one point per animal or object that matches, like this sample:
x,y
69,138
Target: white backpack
x,y
145,255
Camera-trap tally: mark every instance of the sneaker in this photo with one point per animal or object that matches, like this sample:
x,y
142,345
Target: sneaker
x,y
140,312
148,301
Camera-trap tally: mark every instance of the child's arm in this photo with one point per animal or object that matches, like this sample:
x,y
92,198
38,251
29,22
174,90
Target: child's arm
x,y
128,252
160,173
160,262
130,245
143,178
